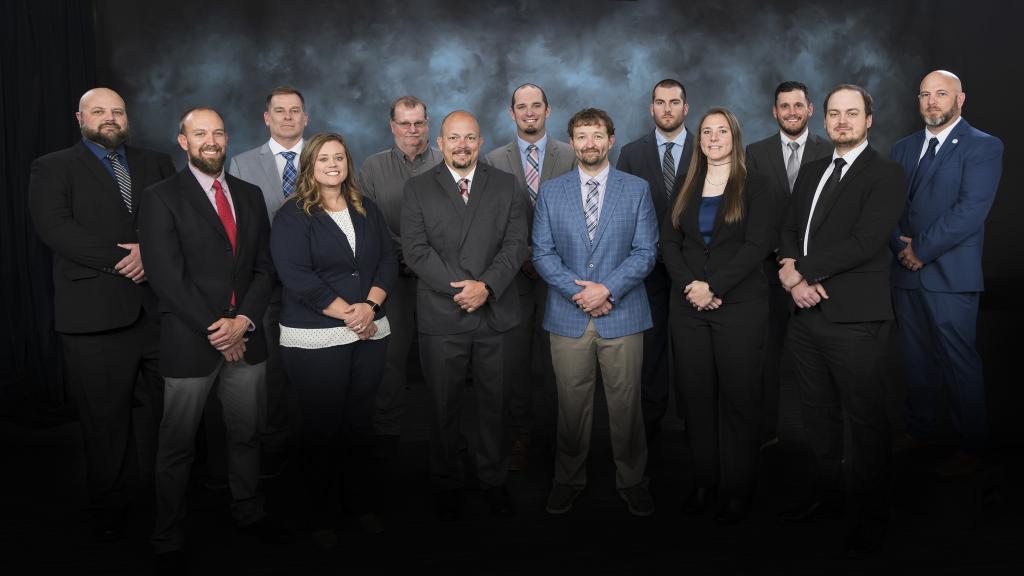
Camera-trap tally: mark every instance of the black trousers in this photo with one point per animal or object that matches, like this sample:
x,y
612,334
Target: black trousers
x,y
654,375
102,371
337,390
718,354
840,368
776,355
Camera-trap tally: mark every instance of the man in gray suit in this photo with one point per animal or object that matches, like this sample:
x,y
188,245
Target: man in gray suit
x,y
464,235
780,156
383,176
274,167
532,158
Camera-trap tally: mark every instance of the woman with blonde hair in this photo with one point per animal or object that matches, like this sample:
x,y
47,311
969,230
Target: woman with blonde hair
x,y
713,242
337,262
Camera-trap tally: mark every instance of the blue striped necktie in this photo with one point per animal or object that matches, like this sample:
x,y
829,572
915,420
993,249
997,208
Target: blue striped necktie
x,y
289,176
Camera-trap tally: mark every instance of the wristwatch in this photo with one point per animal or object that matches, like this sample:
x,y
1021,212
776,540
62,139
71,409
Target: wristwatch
x,y
373,305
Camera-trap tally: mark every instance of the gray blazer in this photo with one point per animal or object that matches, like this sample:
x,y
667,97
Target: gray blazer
x,y
559,158
257,166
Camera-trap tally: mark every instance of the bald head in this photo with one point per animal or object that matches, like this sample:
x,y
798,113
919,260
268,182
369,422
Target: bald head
x,y
940,99
460,141
102,117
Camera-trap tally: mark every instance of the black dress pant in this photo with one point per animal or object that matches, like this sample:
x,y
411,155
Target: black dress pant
x,y
840,369
776,355
654,378
337,390
102,370
718,355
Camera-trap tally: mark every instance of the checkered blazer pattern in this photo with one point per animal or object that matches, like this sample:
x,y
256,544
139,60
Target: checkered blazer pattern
x,y
620,257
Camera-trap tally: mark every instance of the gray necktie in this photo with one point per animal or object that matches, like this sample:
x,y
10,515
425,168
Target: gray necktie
x,y
668,169
590,210
793,164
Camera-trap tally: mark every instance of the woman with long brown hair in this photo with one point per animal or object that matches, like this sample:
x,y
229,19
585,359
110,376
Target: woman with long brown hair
x,y
713,242
337,262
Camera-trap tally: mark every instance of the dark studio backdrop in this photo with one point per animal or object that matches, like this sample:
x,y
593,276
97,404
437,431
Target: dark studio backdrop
x,y
351,59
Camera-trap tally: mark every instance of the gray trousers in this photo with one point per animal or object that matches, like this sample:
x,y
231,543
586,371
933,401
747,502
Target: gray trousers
x,y
575,361
401,310
276,405
238,389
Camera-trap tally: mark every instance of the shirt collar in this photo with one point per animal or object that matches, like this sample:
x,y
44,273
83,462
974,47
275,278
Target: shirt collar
x,y
852,155
401,155
679,140
102,152
456,177
206,181
802,139
276,147
941,135
540,144
602,177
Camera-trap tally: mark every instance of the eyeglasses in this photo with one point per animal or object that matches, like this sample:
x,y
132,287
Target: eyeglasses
x,y
419,124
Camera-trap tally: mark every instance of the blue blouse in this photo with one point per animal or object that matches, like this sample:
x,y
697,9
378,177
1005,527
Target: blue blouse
x,y
708,210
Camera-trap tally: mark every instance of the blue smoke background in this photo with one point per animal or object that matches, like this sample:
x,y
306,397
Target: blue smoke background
x,y
351,59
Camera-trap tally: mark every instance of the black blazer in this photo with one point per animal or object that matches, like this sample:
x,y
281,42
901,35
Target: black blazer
x,y
848,250
766,156
733,258
641,158
445,240
78,212
314,261
190,264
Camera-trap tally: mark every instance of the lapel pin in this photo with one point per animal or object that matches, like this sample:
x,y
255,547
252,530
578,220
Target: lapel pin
x,y
955,140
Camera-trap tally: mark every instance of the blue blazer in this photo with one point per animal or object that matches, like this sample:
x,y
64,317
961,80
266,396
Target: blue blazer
x,y
315,263
620,257
946,218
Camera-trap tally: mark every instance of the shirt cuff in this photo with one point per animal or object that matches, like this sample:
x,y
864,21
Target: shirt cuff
x,y
252,327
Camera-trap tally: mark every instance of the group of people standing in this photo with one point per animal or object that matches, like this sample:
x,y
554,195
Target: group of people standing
x,y
532,273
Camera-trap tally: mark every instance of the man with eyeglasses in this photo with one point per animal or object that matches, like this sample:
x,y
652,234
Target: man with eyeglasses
x,y
383,176
464,234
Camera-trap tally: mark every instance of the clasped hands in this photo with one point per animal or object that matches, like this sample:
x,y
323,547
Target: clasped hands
x,y
131,265
593,298
472,295
906,257
698,294
359,319
227,335
804,295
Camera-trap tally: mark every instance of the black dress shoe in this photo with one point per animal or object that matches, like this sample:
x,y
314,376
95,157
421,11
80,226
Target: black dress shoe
x,y
734,511
449,505
813,510
171,563
500,501
698,501
269,531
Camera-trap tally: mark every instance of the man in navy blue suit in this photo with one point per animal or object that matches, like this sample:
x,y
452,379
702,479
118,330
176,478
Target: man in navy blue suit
x,y
952,172
594,241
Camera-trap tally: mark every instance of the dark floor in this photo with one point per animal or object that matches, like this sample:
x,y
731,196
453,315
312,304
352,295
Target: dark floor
x,y
969,525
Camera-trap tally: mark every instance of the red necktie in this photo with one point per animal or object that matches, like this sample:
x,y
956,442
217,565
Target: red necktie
x,y
227,219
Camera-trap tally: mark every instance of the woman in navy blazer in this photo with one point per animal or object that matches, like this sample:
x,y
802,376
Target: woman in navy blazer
x,y
337,262
713,242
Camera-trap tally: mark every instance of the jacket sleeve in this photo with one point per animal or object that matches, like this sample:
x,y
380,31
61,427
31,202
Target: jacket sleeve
x,y
291,250
387,266
514,246
759,229
642,252
672,253
546,259
257,295
419,255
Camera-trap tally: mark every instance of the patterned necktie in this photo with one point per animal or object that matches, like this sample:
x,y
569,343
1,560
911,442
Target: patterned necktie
x,y
793,164
668,169
590,210
532,171
464,189
923,164
289,175
124,180
226,218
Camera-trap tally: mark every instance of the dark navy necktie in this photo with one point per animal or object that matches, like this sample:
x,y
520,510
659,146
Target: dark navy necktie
x,y
923,165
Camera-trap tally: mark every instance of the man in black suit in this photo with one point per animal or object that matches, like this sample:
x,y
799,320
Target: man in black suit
x,y
779,157
464,235
661,157
835,264
205,237
84,201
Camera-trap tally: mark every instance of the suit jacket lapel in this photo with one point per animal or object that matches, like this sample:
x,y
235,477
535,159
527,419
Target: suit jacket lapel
x,y
777,162
574,199
137,169
947,150
827,201
811,187
103,178
335,231
477,191
550,161
242,214
654,165
269,164
515,161
196,196
612,193
684,160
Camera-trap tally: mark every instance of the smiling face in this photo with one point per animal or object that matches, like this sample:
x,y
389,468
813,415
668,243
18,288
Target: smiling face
x,y
845,120
530,113
205,140
102,117
460,141
716,138
792,111
591,143
331,165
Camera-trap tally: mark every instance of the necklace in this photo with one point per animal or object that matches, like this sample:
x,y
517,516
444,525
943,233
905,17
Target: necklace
x,y
713,183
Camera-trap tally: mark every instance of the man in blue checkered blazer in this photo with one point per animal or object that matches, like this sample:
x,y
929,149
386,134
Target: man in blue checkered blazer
x,y
595,236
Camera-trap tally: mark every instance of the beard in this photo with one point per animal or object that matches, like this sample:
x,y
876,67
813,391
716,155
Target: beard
x,y
943,117
109,140
530,129
668,124
791,132
462,165
208,166
592,158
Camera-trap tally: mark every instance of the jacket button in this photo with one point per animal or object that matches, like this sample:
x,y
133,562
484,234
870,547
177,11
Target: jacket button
x,y
591,265
355,273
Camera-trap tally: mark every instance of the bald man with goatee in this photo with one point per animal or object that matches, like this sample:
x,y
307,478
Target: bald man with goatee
x,y
464,235
84,202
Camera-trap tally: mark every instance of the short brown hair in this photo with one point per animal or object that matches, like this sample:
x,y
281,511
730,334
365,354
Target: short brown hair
x,y
669,83
282,90
181,121
864,94
591,117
